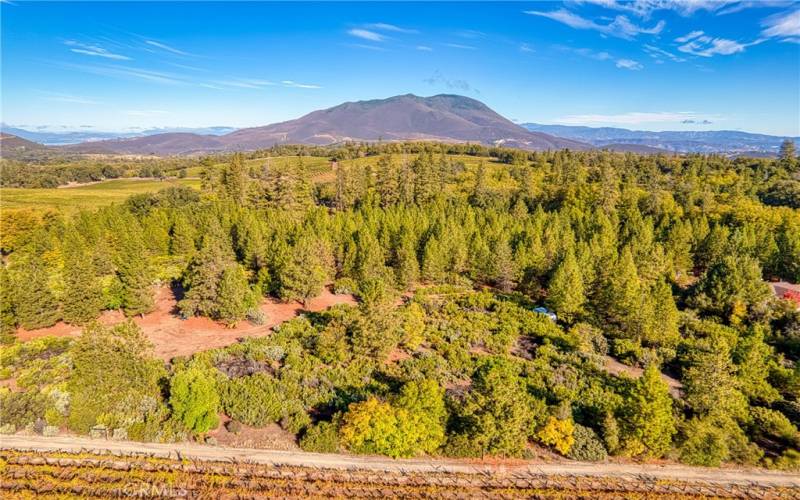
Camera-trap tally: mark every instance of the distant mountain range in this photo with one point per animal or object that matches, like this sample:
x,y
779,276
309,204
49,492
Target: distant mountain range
x,y
446,118
720,141
60,138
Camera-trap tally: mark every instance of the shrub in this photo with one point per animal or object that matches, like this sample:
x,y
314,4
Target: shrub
x,y
558,434
194,399
254,400
321,438
256,317
233,427
345,286
21,408
587,446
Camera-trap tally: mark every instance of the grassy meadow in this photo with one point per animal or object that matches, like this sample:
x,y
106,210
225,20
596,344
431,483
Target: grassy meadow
x,y
69,199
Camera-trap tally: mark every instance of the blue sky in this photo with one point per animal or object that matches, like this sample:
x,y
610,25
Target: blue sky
x,y
648,64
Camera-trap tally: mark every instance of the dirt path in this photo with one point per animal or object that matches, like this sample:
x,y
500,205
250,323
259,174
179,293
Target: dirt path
x,y
192,451
614,367
172,336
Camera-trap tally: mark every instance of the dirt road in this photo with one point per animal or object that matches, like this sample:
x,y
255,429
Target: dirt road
x,y
348,462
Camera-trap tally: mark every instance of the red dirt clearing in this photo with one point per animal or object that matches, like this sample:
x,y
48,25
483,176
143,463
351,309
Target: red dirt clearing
x,y
172,336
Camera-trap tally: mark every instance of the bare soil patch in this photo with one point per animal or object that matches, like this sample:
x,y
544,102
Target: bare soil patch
x,y
172,336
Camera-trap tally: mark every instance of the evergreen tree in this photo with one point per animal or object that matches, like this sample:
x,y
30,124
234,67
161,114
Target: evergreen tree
x,y
83,297
650,425
406,266
305,274
182,237
134,274
565,293
235,180
35,304
8,319
504,267
203,276
234,297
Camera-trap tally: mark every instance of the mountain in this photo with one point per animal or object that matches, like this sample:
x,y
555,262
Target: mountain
x,y
720,141
12,146
448,118
64,137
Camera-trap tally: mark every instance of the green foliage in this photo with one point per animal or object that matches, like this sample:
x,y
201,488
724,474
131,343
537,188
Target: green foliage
x,y
649,424
83,297
565,291
35,305
586,447
321,438
234,297
22,408
558,434
113,380
194,399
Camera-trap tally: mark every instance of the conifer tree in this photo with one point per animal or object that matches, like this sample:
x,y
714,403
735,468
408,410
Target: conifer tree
x,y
135,275
504,268
650,425
8,319
194,399
234,297
83,297
406,265
182,237
235,180
204,274
565,293
35,304
305,273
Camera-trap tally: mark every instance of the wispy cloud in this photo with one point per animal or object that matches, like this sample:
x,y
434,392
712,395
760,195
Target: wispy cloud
x,y
459,46
166,47
366,46
243,83
620,27
424,48
390,27
629,64
644,8
366,34
658,54
94,50
293,84
59,97
697,43
126,72
524,47
635,118
783,25
439,80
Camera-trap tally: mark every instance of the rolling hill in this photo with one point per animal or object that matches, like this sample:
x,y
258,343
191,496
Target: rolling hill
x,y
448,118
712,141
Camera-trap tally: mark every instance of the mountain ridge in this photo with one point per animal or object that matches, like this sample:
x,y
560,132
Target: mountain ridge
x,y
443,117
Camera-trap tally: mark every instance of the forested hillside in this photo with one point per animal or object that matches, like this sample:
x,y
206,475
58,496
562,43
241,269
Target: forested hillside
x,y
661,262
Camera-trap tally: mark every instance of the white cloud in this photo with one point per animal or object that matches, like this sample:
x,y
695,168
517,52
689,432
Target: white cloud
x,y
644,8
59,97
635,118
390,27
459,46
629,64
166,47
292,84
685,38
243,83
705,46
94,50
366,35
786,24
525,48
620,27
424,48
657,54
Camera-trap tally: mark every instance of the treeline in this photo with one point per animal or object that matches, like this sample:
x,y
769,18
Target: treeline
x,y
659,261
20,174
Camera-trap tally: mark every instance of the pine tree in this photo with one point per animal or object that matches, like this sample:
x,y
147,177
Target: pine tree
x,y
305,274
387,181
34,302
406,265
624,295
134,273
565,293
83,297
204,274
788,154
8,319
663,328
234,297
503,267
183,234
650,425
479,196
235,180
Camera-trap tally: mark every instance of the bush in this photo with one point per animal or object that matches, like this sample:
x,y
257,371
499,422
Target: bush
x,y
233,427
587,446
558,434
256,317
21,408
194,399
254,400
345,286
321,438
